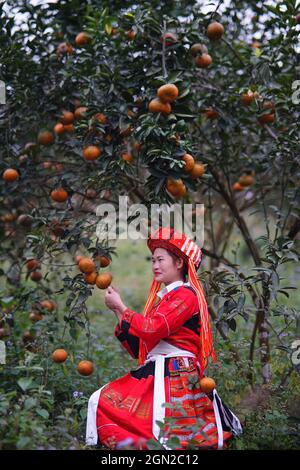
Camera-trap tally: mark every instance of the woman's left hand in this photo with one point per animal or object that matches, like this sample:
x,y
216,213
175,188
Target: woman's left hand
x,y
113,300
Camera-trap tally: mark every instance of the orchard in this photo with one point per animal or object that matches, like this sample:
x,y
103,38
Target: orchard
x,y
164,102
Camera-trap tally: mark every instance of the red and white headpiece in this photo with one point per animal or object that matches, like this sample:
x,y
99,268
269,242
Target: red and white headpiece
x,y
188,250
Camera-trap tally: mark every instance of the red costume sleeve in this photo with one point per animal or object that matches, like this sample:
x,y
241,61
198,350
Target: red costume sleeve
x,y
166,319
128,341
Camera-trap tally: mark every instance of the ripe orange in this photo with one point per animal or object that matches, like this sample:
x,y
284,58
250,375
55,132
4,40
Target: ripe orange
x,y
267,118
127,157
211,113
91,152
103,280
237,187
48,305
35,316
59,355
67,117
207,385
197,171
32,264
45,138
168,93
91,278
100,117
247,98
215,30
246,180
198,49
86,265
169,38
176,187
59,195
157,106
10,175
36,276
80,112
64,48
69,128
203,61
104,261
130,35
82,39
85,368
59,128
189,162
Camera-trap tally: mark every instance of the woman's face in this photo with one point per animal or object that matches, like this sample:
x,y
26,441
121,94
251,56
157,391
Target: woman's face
x,y
164,268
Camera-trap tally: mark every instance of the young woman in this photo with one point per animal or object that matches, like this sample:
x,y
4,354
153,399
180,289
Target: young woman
x,y
172,341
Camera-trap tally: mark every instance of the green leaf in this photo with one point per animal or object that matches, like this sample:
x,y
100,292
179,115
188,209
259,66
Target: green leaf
x,y
25,383
43,413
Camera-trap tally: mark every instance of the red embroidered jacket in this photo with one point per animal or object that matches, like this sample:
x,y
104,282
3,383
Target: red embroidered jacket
x,y
175,319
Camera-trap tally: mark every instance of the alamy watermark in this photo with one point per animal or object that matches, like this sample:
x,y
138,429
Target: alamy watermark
x,y
137,221
296,94
295,356
2,92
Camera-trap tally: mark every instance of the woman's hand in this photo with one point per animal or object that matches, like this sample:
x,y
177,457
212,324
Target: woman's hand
x,y
113,300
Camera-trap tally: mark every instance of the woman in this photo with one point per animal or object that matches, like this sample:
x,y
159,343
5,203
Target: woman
x,y
172,341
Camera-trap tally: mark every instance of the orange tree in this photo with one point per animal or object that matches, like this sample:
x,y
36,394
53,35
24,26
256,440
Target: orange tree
x,y
163,103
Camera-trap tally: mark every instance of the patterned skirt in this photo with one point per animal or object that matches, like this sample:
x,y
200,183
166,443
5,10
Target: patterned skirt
x,y
124,408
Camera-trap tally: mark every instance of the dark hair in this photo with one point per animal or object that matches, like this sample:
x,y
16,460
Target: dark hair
x,y
184,270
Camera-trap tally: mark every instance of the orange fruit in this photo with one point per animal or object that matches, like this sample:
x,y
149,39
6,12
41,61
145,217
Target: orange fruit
x,y
247,98
267,118
246,180
237,187
35,316
100,117
86,265
45,138
80,112
85,368
59,355
189,162
256,45
48,305
59,195
127,157
169,38
197,171
36,276
82,39
130,35
207,385
59,128
64,48
168,93
211,113
91,278
203,61
215,30
91,152
10,175
157,106
198,49
103,280
176,187
103,260
67,117
32,264
69,128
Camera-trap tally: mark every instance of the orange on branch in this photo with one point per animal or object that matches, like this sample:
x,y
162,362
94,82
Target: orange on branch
x,y
189,162
197,171
10,175
82,39
86,265
85,368
59,128
59,195
127,157
211,113
168,93
91,278
207,385
100,117
45,138
59,355
91,152
36,276
203,61
157,106
32,264
80,112
169,38
67,117
103,280
215,30
246,180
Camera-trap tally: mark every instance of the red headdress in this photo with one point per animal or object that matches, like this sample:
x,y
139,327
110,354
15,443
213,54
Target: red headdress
x,y
185,248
